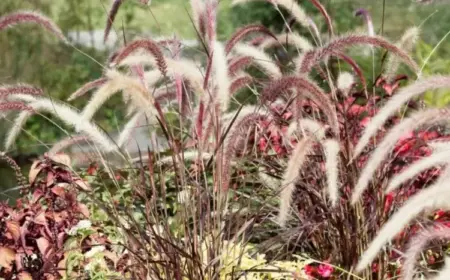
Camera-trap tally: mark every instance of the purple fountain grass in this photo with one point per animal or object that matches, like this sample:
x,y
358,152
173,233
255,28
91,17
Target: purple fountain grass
x,y
350,61
111,16
211,21
239,63
398,100
345,83
406,43
436,159
233,140
147,45
311,58
66,143
325,14
294,166
16,106
260,59
244,31
331,149
290,5
415,121
308,88
368,19
239,83
432,198
300,42
417,245
33,17
86,88
7,90
21,180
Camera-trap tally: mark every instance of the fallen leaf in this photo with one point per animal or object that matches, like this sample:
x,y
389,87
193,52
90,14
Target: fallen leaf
x,y
7,256
35,169
83,185
24,276
43,245
13,228
61,159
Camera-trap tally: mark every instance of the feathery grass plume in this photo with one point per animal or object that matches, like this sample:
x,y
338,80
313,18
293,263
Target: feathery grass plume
x,y
237,64
398,100
416,246
325,14
311,58
111,16
261,59
67,142
116,82
268,181
290,5
294,38
439,146
7,90
406,43
124,136
368,19
304,85
86,88
147,45
417,167
186,155
16,128
244,31
244,112
186,68
415,121
239,83
198,11
221,76
199,121
350,61
345,82
74,119
331,149
15,105
432,198
233,140
33,17
308,125
211,21
21,180
295,163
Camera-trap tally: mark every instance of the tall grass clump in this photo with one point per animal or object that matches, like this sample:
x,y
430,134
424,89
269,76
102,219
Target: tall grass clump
x,y
323,175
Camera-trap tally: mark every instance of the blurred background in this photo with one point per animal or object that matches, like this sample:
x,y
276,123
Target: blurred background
x,y
29,55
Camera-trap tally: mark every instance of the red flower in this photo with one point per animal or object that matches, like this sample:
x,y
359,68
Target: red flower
x,y
309,270
325,270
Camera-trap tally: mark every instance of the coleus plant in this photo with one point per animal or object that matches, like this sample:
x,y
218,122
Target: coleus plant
x,y
33,234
